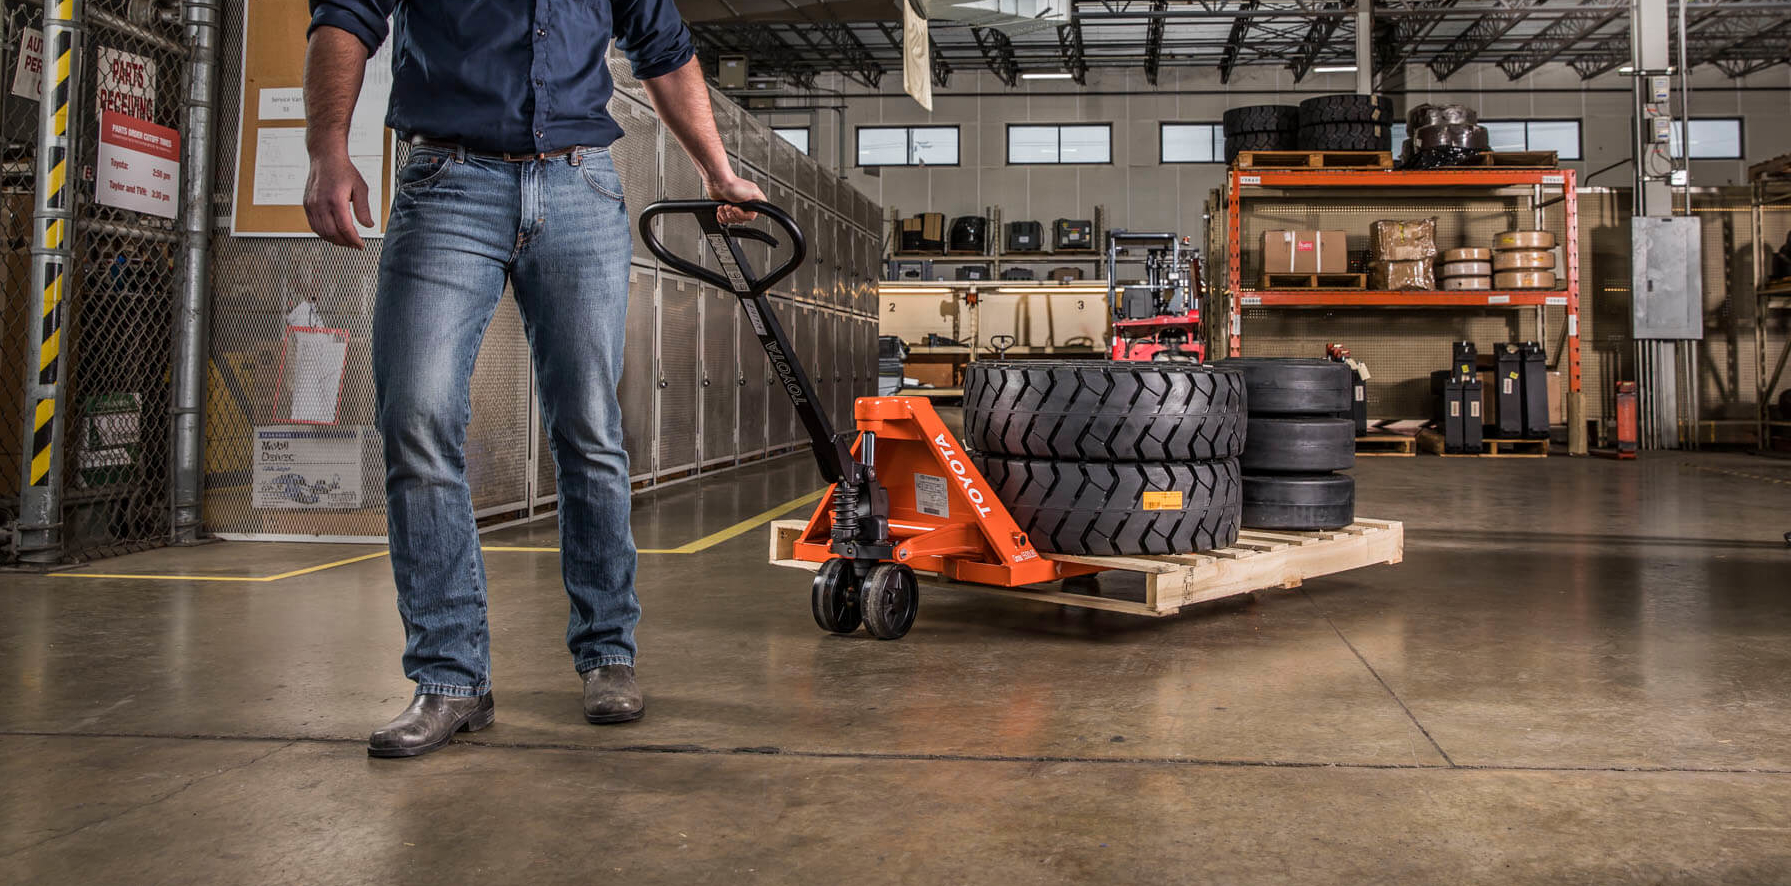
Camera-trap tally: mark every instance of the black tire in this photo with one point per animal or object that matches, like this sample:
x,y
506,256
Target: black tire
x,y
1295,385
1261,118
1300,445
889,600
1068,507
833,599
1091,410
1286,140
1346,137
1299,501
1346,109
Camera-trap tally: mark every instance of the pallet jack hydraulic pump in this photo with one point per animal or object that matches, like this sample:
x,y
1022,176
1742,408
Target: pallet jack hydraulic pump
x,y
904,495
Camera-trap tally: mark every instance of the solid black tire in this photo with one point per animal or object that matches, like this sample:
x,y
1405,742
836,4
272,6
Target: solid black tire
x,y
1348,108
1284,140
1295,385
1299,501
889,601
1346,137
1260,118
1068,507
832,598
1098,410
1299,445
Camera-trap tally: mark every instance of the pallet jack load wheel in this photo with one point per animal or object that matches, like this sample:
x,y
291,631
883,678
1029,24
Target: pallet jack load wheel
x,y
889,600
834,599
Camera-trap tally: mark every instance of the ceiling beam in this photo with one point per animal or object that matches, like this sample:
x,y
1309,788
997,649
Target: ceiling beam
x,y
1234,45
1480,34
1318,36
998,54
1153,42
1069,45
1561,35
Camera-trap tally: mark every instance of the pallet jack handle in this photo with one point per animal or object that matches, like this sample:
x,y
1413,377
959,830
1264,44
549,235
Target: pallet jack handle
x,y
833,451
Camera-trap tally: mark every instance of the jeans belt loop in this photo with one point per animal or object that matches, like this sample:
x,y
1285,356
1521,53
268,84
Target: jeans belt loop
x,y
460,153
574,156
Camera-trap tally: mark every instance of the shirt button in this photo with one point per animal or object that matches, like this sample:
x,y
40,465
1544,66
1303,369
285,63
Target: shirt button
x,y
540,32
539,133
538,81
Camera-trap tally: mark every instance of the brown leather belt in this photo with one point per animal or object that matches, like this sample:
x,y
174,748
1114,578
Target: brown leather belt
x,y
421,142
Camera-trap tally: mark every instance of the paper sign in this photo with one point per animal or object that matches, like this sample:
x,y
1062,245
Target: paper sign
x,y
139,165
311,368
28,74
931,495
283,104
306,468
126,83
280,167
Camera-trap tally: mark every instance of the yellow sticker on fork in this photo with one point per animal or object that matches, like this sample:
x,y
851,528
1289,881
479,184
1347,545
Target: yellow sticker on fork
x,y
1162,501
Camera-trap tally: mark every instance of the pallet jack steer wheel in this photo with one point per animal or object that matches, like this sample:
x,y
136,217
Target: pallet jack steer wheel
x,y
889,600
834,599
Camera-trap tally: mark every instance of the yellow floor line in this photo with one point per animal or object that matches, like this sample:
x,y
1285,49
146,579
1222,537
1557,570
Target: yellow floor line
x,y
701,544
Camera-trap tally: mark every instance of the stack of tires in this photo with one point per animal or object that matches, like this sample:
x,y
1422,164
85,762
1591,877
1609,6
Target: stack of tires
x,y
1110,458
1300,435
1346,123
1261,128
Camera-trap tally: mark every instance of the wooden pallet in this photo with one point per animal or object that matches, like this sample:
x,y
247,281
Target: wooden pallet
x,y
1314,160
1279,281
1491,447
1386,445
1515,160
1259,560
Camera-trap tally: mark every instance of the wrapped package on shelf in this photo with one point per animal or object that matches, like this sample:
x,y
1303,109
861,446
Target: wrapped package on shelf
x,y
1418,274
1403,241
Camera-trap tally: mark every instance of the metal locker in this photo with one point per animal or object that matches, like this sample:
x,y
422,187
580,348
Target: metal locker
x,y
753,148
808,276
781,195
827,264
809,346
636,155
784,159
679,333
679,180
720,369
839,337
825,188
639,354
781,413
750,377
821,365
727,121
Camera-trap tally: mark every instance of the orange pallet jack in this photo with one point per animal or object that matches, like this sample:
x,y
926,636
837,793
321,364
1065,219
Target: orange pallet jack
x,y
903,497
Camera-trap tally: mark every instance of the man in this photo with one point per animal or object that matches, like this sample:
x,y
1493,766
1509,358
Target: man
x,y
509,179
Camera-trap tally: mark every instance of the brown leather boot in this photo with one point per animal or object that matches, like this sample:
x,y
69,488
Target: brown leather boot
x,y
611,695
429,723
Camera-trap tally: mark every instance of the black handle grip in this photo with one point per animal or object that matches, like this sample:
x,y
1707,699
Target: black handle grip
x,y
704,210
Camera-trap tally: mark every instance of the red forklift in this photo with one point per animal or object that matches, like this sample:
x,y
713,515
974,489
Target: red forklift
x,y
1159,317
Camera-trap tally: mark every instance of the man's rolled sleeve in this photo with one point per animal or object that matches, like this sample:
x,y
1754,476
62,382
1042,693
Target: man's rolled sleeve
x,y
365,19
653,36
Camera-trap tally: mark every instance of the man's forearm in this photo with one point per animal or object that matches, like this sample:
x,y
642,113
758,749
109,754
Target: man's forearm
x,y
335,63
681,99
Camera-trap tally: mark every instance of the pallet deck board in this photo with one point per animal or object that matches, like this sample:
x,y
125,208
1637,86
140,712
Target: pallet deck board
x,y
1258,561
1277,280
1315,160
1386,446
1490,447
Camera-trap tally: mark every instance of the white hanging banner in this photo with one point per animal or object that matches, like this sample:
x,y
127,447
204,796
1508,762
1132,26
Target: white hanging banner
x,y
917,56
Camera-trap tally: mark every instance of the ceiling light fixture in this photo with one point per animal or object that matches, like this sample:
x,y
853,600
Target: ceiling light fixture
x,y
1335,69
1046,75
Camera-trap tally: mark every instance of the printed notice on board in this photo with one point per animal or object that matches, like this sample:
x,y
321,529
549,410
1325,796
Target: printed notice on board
x,y
139,165
28,74
307,468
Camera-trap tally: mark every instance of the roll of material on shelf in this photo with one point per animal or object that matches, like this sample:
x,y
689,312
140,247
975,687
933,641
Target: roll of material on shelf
x,y
1523,260
1459,283
1452,135
1466,269
1525,240
1467,253
1436,115
1524,280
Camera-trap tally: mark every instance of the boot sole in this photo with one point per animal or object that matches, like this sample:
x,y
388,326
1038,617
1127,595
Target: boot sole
x,y
473,723
608,719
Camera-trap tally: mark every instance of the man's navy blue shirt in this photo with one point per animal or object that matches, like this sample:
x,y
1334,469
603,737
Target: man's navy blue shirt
x,y
522,76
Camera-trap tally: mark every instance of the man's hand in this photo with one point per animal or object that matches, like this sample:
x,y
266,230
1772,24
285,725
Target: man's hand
x,y
333,187
734,190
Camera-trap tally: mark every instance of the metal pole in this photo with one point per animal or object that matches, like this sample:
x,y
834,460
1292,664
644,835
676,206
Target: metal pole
x,y
1364,47
52,259
192,313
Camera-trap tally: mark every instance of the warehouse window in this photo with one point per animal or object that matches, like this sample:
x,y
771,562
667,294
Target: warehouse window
x,y
1560,136
907,146
796,135
1191,143
1712,138
1059,144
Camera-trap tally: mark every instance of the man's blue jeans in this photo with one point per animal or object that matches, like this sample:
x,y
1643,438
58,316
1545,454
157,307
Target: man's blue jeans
x,y
557,231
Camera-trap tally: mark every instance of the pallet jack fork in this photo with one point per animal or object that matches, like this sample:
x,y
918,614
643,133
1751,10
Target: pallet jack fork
x,y
904,494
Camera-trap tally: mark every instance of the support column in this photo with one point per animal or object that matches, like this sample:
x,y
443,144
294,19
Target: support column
x,y
1650,53
52,260
192,312
1364,46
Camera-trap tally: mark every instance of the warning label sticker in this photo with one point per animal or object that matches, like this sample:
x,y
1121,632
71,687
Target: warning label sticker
x,y
932,496
1162,501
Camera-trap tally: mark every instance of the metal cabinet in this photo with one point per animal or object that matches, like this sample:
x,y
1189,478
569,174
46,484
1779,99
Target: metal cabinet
x,y
679,333
640,421
752,379
717,380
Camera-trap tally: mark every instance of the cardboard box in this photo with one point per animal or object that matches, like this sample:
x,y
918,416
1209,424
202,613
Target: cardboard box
x,y
1304,252
1557,415
942,374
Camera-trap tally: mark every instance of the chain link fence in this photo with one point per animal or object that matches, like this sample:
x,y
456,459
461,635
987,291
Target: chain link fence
x,y
23,25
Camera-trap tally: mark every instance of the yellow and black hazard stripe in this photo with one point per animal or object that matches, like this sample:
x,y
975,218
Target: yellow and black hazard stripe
x,y
59,46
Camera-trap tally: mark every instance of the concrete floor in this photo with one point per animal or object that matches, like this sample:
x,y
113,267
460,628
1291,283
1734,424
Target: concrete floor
x,y
1580,673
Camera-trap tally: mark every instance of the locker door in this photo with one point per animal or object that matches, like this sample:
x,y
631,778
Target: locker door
x,y
720,392
637,161
679,335
844,384
749,377
781,412
639,354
